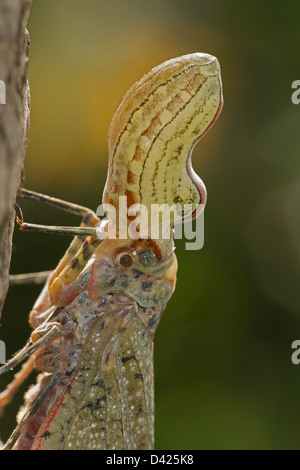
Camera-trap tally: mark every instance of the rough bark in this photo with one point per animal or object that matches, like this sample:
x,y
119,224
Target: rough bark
x,y
14,120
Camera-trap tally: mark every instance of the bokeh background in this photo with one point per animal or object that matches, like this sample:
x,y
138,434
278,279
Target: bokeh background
x,y
223,372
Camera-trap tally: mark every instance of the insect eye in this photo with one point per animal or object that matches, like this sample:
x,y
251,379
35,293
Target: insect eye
x,y
125,260
147,257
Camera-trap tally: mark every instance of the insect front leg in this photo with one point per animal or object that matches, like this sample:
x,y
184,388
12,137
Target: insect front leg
x,y
64,288
89,220
37,315
39,312
29,278
61,230
54,202
39,337
8,394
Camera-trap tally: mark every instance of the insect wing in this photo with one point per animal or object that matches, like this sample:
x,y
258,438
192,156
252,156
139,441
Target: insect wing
x,y
108,403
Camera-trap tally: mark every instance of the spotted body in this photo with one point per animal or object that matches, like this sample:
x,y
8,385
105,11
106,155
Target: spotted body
x,y
107,401
95,319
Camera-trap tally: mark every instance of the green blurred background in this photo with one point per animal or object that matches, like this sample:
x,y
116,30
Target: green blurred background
x,y
223,372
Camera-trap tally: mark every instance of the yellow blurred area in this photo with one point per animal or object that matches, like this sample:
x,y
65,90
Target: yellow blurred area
x,y
79,75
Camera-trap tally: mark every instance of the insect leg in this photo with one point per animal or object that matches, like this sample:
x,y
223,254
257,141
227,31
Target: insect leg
x,y
53,201
43,302
83,231
7,395
88,221
51,331
72,263
29,278
32,410
41,277
59,291
89,218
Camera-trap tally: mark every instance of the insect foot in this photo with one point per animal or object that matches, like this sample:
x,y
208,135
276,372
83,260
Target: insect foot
x,y
19,215
46,330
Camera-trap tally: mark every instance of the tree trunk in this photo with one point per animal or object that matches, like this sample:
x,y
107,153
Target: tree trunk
x,y
14,119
